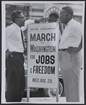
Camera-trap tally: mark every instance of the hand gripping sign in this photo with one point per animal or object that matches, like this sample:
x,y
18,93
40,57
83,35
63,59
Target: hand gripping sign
x,y
42,52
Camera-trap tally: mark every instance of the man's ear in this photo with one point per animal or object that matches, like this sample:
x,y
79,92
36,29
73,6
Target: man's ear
x,y
16,20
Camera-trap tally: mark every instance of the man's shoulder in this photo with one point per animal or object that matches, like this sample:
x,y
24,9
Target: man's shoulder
x,y
75,24
11,27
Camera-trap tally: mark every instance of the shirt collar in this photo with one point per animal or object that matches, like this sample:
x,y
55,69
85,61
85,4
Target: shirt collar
x,y
16,26
70,22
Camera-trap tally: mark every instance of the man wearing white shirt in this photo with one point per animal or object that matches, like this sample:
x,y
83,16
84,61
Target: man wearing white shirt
x,y
70,54
15,76
15,48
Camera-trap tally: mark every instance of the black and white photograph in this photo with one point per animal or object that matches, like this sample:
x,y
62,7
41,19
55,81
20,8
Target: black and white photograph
x,y
42,52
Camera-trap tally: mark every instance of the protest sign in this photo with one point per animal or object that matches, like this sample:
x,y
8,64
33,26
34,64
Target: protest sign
x,y
42,58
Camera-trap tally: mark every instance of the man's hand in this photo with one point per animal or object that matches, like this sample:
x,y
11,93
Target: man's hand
x,y
25,52
73,50
7,53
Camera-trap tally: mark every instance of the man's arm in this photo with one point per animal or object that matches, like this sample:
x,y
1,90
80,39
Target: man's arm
x,y
80,46
8,32
74,50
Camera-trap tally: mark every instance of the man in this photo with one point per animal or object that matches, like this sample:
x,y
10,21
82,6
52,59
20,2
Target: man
x,y
15,48
70,59
15,76
53,17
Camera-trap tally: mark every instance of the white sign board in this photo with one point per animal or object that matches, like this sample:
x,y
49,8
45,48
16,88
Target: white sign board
x,y
43,42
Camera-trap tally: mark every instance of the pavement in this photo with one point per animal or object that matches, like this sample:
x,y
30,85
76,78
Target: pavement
x,y
43,100
46,100
50,100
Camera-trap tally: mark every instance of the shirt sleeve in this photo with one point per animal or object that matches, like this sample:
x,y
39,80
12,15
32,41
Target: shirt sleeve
x,y
8,33
77,32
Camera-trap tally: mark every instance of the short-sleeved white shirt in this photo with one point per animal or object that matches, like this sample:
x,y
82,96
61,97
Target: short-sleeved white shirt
x,y
13,38
71,36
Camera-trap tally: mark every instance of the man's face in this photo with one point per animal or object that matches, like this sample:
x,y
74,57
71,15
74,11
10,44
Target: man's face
x,y
21,19
64,16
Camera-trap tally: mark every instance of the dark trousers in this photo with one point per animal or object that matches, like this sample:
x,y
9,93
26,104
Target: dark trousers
x,y
15,77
